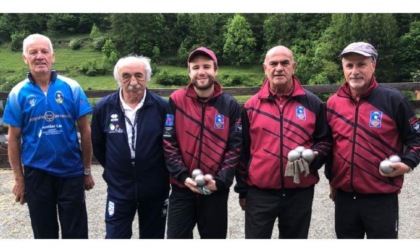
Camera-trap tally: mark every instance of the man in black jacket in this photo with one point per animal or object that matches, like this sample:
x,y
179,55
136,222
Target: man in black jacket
x,y
127,140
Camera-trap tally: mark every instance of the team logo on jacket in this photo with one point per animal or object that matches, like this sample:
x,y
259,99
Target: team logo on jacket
x,y
300,113
114,118
111,208
219,121
415,124
375,119
31,100
238,125
59,97
169,123
169,120
115,128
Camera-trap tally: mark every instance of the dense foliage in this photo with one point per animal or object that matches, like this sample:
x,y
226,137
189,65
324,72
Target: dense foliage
x,y
237,39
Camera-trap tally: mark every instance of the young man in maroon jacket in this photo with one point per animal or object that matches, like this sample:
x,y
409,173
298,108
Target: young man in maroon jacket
x,y
202,131
370,122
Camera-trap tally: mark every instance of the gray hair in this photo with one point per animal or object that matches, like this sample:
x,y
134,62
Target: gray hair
x,y
129,60
31,38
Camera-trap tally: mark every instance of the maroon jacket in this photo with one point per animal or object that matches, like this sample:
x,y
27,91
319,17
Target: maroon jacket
x,y
271,131
365,133
204,134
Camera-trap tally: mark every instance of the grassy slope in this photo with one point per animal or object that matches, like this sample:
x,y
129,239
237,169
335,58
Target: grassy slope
x,y
67,60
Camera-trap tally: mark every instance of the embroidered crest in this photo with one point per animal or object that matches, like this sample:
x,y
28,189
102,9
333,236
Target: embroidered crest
x,y
169,120
59,97
219,121
375,119
31,100
300,113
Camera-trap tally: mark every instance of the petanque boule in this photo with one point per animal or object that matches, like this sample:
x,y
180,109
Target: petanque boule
x,y
293,155
300,149
385,166
199,180
196,172
308,155
394,159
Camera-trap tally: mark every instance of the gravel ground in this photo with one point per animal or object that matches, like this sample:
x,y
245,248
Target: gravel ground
x,y
15,223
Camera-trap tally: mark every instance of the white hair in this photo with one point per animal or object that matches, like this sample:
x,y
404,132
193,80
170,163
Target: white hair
x,y
31,38
133,59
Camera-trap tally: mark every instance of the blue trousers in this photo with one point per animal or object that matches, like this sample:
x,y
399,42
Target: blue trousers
x,y
119,216
47,196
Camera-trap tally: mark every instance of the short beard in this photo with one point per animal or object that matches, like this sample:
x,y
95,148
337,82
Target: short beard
x,y
209,84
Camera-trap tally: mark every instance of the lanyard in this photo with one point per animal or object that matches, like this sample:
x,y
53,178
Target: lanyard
x,y
133,129
133,126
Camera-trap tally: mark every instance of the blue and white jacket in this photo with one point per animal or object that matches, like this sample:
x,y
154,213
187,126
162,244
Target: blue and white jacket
x,y
48,124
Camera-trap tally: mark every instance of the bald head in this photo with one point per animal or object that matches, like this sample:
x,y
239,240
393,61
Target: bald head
x,y
279,68
278,50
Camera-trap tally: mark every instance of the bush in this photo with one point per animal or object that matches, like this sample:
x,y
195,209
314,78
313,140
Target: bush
x,y
231,80
75,44
166,78
17,40
93,68
98,43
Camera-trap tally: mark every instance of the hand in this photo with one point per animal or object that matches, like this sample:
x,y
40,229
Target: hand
x,y
89,183
19,191
399,168
242,203
333,193
210,184
189,182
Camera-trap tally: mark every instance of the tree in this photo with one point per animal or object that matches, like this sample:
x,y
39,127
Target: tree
x,y
137,33
200,30
409,53
239,42
277,30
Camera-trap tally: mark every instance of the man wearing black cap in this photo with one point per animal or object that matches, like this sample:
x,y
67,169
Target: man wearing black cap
x,y
369,123
202,131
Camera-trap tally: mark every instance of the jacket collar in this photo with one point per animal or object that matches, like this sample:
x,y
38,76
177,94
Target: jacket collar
x,y
32,79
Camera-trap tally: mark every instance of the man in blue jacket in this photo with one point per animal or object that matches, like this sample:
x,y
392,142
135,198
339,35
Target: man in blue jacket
x,y
51,167
127,140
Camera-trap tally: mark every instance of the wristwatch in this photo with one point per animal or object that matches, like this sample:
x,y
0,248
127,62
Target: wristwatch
x,y
86,171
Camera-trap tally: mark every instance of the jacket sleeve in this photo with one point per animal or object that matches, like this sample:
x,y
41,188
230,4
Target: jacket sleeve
x,y
241,173
224,178
322,138
98,136
409,129
172,151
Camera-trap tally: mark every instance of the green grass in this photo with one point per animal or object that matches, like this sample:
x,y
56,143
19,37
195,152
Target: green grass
x,y
67,61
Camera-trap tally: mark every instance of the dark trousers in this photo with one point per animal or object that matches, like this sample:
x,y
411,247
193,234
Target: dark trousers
x,y
292,208
373,215
119,216
48,195
209,212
